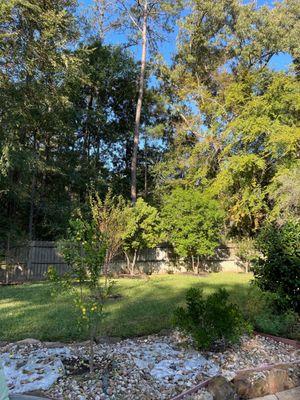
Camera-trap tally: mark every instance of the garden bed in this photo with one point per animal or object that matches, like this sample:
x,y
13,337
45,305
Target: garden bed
x,y
153,367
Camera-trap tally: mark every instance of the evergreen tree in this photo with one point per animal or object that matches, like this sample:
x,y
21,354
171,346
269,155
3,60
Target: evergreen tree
x,y
35,61
146,22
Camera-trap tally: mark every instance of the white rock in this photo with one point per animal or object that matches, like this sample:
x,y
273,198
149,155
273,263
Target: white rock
x,y
37,371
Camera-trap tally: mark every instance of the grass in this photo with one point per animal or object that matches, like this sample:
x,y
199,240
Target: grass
x,y
145,306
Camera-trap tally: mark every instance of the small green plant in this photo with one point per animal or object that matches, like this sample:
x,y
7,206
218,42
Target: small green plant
x,y
91,245
211,319
84,251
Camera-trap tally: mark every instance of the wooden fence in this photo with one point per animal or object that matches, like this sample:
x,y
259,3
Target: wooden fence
x,y
30,262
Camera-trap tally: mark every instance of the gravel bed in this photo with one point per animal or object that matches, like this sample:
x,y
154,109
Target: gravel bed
x,y
155,367
251,353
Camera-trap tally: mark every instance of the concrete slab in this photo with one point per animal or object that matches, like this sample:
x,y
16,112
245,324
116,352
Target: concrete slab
x,y
292,394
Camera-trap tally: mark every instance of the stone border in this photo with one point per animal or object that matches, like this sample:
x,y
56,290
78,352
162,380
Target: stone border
x,y
25,397
263,367
290,342
203,384
192,390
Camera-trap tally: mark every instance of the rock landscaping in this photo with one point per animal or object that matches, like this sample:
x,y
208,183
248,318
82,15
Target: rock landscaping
x,y
154,367
251,384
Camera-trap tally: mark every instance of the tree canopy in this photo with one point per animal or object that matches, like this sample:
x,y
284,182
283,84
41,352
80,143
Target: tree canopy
x,y
218,123
192,222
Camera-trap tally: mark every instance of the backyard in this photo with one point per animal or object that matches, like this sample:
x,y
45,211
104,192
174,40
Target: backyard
x,y
139,307
150,199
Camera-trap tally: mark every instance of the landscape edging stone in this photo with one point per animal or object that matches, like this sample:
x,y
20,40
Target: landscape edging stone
x,y
293,343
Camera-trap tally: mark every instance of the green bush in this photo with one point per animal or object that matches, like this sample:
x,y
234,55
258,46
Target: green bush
x,y
210,320
261,310
192,223
285,324
278,270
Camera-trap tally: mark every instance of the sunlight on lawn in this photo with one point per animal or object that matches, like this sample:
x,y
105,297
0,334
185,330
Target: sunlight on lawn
x,y
145,306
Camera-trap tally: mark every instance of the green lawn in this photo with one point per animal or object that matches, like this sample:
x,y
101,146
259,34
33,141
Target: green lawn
x,y
145,306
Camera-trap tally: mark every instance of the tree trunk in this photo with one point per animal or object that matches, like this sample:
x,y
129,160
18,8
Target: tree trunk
x,y
127,261
146,172
6,274
91,355
139,107
87,139
134,262
33,192
198,264
247,265
131,264
31,211
101,7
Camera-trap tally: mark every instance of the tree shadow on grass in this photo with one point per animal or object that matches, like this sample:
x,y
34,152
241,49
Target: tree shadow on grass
x,y
31,311
145,307
151,312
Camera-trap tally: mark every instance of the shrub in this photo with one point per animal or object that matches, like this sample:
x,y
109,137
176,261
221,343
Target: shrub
x,y
285,324
261,310
278,270
211,319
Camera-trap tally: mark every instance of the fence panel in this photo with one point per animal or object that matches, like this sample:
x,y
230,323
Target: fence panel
x,y
30,262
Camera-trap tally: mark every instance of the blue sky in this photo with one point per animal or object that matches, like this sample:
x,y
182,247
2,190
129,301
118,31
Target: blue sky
x,y
279,62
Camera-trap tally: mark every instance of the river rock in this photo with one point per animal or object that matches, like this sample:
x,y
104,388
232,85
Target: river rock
x,y
29,341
